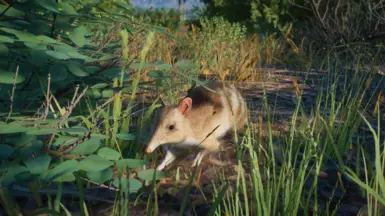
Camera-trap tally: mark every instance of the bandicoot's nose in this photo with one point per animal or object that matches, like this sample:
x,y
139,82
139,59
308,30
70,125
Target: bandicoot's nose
x,y
148,150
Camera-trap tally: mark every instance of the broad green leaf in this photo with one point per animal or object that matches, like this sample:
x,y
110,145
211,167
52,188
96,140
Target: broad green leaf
x,y
36,46
129,185
112,71
42,131
163,67
101,176
108,154
26,140
39,57
57,55
12,12
155,73
67,8
6,39
78,35
65,168
99,86
38,165
49,4
94,93
94,163
26,177
149,174
5,151
7,77
87,147
136,65
65,178
58,72
80,130
3,50
77,70
11,171
77,55
24,36
130,163
126,136
107,93
68,140
185,65
8,129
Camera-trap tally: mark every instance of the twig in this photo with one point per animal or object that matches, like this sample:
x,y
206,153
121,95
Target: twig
x,y
48,99
13,93
100,185
71,107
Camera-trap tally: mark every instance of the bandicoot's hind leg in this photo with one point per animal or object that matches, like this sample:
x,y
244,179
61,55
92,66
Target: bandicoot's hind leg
x,y
211,144
198,158
168,159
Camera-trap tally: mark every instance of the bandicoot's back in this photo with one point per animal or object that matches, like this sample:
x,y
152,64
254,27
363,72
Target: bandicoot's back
x,y
226,101
200,119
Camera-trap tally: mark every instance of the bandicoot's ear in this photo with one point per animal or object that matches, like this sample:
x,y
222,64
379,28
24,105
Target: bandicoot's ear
x,y
185,105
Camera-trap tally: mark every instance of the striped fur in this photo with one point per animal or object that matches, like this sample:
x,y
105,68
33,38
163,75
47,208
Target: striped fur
x,y
200,113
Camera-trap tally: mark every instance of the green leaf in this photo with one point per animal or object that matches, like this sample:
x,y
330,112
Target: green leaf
x,y
99,86
67,8
26,177
57,55
65,168
11,171
9,129
65,139
80,130
65,178
112,71
38,165
94,163
58,72
12,12
108,154
76,69
163,67
186,65
3,50
5,151
49,4
130,163
129,185
107,93
6,77
78,35
24,36
94,93
42,131
155,73
6,39
87,147
149,174
126,136
101,176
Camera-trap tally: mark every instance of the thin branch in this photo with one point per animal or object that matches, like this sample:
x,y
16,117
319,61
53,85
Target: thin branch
x,y
13,93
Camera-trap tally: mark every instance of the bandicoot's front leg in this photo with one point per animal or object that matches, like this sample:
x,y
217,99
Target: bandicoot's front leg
x,y
168,159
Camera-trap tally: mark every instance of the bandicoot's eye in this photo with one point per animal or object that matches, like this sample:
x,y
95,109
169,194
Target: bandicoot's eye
x,y
171,127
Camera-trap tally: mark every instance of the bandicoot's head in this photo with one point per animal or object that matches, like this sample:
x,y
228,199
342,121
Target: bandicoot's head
x,y
172,126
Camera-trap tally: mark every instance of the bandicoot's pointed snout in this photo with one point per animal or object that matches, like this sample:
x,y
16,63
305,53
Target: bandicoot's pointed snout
x,y
148,150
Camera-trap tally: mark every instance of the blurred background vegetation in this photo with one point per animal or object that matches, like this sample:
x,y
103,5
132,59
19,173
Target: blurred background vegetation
x,y
80,80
